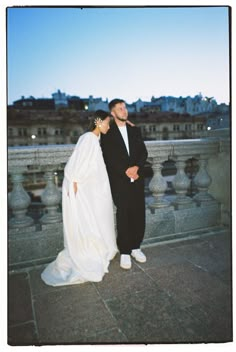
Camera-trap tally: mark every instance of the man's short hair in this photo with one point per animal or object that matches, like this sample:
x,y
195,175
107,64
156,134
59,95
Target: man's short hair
x,y
114,102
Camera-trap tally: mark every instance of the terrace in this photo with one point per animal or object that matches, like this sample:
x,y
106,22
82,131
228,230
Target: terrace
x,y
183,292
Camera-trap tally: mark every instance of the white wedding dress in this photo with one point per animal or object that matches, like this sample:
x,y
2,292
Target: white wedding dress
x,y
88,219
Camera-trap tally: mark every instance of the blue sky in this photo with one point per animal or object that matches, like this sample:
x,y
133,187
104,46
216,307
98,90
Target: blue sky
x,y
130,53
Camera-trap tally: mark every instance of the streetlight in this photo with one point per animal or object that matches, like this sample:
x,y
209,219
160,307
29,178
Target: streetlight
x,y
33,137
56,178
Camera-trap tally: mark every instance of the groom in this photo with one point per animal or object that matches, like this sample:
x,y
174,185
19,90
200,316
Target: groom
x,y
125,154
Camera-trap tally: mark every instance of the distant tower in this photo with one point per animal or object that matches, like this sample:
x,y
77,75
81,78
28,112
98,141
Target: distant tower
x,y
60,99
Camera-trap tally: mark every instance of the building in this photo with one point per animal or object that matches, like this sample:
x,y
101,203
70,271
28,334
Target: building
x,y
60,100
45,127
170,125
220,118
63,118
33,103
187,105
182,105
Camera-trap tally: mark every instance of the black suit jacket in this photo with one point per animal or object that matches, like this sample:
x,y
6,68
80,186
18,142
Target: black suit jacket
x,y
118,160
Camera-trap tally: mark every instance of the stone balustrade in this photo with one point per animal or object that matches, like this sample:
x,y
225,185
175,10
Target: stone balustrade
x,y
167,218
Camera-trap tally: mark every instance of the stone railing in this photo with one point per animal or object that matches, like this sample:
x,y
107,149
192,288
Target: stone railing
x,y
167,218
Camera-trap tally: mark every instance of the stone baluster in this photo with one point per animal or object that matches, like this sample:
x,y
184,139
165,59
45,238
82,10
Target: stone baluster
x,y
203,180
19,201
158,185
181,184
51,198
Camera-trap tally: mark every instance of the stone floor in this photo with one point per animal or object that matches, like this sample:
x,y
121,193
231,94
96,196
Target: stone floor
x,y
182,294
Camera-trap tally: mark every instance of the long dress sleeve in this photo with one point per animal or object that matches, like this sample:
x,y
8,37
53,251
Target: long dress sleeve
x,y
77,167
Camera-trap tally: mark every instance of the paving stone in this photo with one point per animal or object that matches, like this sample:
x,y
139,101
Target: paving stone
x,y
168,331
152,316
71,314
216,321
24,334
212,255
123,282
225,276
182,294
19,299
160,255
174,279
109,336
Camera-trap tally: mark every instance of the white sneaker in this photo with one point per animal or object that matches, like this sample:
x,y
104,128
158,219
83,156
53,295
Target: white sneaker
x,y
138,255
125,261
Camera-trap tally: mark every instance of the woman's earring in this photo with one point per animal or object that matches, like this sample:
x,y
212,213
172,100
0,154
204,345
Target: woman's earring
x,y
98,122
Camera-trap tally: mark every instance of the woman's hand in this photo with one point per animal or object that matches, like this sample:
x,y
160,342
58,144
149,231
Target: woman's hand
x,y
130,123
75,187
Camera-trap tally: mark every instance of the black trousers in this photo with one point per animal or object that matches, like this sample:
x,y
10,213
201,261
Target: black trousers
x,y
130,216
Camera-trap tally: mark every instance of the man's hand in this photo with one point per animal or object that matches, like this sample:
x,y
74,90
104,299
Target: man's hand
x,y
132,172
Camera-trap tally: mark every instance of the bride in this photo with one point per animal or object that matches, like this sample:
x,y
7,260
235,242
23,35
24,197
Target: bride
x,y
87,208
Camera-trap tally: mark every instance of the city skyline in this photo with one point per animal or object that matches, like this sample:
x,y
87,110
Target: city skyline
x,y
68,96
132,53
